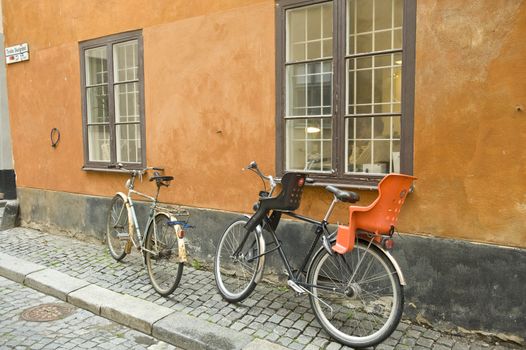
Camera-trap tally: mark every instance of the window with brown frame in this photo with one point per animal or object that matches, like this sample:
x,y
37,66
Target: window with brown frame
x,y
345,82
112,82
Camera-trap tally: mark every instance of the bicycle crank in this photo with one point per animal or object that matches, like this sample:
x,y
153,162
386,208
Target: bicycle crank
x,y
301,290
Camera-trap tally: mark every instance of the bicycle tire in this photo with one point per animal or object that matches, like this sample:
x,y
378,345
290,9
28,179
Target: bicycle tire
x,y
235,277
369,304
162,255
117,235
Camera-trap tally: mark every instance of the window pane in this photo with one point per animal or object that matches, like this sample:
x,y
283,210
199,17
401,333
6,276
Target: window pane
x,y
398,13
364,43
99,143
381,156
127,103
309,32
363,128
376,82
382,85
125,61
397,39
396,127
364,12
363,87
382,41
128,143
372,143
309,89
96,66
383,15
309,144
374,25
97,104
382,127
396,157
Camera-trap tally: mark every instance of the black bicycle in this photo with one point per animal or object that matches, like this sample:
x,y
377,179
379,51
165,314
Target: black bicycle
x,y
357,297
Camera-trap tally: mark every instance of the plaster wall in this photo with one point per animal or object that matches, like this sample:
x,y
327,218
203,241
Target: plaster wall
x,y
210,95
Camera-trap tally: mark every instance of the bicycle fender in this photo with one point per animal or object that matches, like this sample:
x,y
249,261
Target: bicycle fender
x,y
122,195
261,264
180,242
397,268
182,250
394,262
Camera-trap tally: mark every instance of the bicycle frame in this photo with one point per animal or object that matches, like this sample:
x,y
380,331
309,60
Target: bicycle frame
x,y
321,231
134,224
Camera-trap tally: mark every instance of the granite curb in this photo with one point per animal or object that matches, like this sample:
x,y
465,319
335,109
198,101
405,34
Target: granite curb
x,y
174,327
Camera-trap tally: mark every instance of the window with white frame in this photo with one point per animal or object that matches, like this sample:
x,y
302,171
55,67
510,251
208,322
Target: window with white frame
x,y
112,90
345,88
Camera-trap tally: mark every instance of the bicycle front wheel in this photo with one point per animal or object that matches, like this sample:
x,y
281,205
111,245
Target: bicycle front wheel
x,y
236,266
357,296
162,255
117,228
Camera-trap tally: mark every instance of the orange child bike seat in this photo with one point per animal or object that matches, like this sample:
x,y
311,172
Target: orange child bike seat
x,y
379,216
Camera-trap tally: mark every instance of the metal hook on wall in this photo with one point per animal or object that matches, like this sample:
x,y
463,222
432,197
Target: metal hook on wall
x,y
55,137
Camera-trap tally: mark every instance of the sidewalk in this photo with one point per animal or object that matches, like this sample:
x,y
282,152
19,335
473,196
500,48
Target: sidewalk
x,y
32,320
195,316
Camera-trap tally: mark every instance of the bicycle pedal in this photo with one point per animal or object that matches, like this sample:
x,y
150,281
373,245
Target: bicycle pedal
x,y
297,289
123,235
128,247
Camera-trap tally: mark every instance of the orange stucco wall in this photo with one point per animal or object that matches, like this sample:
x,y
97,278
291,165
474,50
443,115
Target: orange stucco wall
x,y
210,96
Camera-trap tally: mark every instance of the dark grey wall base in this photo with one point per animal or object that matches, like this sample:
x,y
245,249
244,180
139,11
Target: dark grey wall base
x,y
8,184
449,282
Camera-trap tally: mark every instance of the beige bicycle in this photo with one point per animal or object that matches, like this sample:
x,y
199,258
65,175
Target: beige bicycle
x,y
162,241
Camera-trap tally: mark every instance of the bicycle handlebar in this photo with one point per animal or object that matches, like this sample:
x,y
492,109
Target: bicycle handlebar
x,y
253,166
120,166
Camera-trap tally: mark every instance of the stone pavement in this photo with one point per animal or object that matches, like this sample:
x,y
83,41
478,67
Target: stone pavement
x,y
80,329
272,314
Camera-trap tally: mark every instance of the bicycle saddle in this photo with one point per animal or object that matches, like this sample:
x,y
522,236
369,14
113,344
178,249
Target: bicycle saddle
x,y
344,196
161,178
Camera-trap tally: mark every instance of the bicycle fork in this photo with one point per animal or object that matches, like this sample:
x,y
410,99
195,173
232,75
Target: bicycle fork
x,y
131,227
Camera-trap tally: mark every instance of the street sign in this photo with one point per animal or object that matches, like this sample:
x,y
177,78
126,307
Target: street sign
x,y
17,53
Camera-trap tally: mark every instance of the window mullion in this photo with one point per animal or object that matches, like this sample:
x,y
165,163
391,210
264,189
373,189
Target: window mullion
x,y
408,87
339,36
111,105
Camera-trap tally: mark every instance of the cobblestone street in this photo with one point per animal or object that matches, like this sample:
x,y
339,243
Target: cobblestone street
x,y
80,330
272,312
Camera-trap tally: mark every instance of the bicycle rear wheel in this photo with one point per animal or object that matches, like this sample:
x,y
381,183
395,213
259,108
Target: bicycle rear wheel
x,y
235,274
162,255
117,228
357,296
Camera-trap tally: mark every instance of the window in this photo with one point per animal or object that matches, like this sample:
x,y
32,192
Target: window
x,y
113,100
345,82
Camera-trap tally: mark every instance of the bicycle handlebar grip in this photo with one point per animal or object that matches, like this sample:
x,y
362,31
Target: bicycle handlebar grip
x,y
252,165
160,169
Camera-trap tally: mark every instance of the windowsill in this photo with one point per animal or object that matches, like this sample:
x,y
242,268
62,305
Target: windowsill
x,y
365,182
344,185
103,170
367,185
